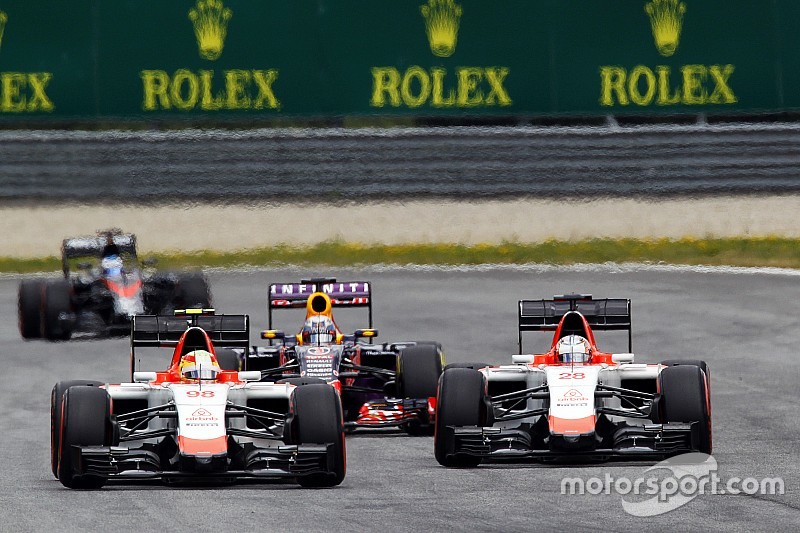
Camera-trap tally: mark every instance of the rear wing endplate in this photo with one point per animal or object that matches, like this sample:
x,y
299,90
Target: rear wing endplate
x,y
601,313
341,293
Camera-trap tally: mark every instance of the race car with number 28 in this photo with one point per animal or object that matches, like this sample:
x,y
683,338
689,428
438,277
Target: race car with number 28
x,y
574,401
382,385
195,422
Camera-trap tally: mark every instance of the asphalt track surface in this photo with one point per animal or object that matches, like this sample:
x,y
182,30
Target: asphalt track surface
x,y
743,324
354,164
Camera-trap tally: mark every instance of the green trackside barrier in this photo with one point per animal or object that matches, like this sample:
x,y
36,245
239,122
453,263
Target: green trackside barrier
x,y
142,59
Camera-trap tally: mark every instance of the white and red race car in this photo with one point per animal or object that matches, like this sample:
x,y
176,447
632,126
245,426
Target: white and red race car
x,y
574,400
194,422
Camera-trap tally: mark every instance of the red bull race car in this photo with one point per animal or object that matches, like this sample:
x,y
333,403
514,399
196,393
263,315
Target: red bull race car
x,y
103,286
381,385
196,421
575,400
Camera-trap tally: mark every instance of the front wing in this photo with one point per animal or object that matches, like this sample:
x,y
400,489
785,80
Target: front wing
x,y
510,445
283,461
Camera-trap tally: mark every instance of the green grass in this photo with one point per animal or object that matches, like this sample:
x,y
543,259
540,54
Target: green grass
x,y
769,251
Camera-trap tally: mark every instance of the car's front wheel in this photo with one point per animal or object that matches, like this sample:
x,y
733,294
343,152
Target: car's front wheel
x,y
686,397
56,399
85,422
461,402
318,420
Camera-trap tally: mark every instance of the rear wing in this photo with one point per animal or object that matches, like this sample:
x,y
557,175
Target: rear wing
x,y
601,313
166,330
232,331
341,293
93,246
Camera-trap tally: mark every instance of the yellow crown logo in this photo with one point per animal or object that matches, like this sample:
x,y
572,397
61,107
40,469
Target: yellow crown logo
x,y
666,19
3,20
441,22
210,19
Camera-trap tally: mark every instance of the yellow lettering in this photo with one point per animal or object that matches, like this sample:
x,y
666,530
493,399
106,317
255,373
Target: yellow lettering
x,y
468,93
722,92
264,81
13,83
156,83
236,82
664,98
207,101
385,80
438,100
39,100
184,77
694,92
612,81
415,73
633,85
496,76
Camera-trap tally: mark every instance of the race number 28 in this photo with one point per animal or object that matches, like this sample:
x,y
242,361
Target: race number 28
x,y
203,394
571,375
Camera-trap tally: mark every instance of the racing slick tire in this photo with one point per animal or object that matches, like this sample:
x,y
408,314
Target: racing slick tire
x,y
473,365
418,371
461,402
228,359
685,397
318,420
56,398
85,422
56,301
30,309
192,292
690,362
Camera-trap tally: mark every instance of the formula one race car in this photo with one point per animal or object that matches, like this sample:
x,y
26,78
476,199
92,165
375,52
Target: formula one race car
x,y
103,286
573,401
195,421
382,385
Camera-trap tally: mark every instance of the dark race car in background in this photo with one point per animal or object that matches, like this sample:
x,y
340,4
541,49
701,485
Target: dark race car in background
x,y
390,384
104,284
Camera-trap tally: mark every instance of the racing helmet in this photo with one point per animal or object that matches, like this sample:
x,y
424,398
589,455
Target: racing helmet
x,y
199,364
318,329
573,349
112,266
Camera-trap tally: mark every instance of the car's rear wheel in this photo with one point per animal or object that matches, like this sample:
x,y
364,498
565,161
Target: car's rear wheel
x,y
192,292
57,303
685,397
461,402
84,422
56,399
30,308
318,413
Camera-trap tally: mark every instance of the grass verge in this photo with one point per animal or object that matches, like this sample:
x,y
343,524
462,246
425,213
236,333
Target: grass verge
x,y
768,251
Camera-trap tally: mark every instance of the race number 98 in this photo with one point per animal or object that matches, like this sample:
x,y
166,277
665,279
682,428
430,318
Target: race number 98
x,y
203,394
